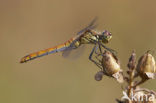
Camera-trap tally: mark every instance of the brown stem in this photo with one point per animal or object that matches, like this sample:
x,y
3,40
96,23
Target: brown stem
x,y
141,82
131,83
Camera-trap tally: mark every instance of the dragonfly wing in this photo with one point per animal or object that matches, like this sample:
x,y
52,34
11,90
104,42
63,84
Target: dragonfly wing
x,y
67,52
70,48
70,53
89,27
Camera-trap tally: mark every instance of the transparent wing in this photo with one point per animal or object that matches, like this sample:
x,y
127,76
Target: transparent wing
x,y
90,26
71,53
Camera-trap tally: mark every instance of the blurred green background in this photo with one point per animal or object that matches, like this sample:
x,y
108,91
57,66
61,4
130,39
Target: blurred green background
x,y
31,25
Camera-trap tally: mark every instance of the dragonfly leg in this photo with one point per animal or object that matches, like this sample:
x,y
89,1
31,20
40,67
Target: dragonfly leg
x,y
97,57
91,59
98,54
101,53
109,49
96,50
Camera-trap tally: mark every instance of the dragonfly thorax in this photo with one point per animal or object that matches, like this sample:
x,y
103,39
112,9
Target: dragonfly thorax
x,y
89,38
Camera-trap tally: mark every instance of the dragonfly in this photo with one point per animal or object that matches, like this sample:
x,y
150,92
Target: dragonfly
x,y
86,36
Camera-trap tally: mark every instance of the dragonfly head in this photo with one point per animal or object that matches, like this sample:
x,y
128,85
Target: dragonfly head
x,y
106,36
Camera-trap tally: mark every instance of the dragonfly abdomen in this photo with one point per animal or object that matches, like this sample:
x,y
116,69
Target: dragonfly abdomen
x,y
43,53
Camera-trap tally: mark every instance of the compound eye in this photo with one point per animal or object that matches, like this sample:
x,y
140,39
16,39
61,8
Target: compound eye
x,y
110,34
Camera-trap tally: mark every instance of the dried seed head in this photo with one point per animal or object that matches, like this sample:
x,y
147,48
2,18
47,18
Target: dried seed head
x,y
99,75
132,61
146,66
111,66
110,63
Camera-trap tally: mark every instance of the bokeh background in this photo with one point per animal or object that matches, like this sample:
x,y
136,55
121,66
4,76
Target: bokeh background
x,y
31,25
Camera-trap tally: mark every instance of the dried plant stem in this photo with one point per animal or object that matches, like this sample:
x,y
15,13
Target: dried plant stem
x,y
131,83
141,82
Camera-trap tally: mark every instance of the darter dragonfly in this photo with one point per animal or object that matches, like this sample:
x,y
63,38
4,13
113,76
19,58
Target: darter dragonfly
x,y
86,36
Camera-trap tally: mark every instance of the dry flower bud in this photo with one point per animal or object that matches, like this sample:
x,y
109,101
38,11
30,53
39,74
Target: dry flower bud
x,y
99,75
132,61
111,66
146,66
